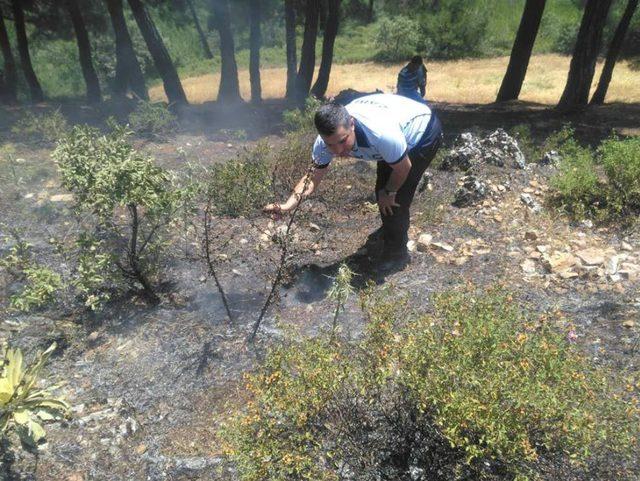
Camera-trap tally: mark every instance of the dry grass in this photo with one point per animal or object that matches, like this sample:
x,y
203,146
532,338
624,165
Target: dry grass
x,y
460,81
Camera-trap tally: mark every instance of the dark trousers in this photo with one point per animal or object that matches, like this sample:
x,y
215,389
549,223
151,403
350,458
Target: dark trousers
x,y
395,227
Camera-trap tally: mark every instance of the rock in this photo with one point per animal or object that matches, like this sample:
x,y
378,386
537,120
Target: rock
x,y
61,198
612,264
411,246
528,266
591,256
530,202
472,191
628,324
550,158
74,477
29,195
314,227
459,261
141,449
500,149
586,223
530,235
558,262
443,246
265,237
243,241
465,153
625,246
424,241
542,248
203,279
569,274
93,336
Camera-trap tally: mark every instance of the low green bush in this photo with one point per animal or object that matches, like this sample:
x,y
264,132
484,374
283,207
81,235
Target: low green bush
x,y
397,39
301,120
153,120
621,162
240,186
132,201
479,382
41,127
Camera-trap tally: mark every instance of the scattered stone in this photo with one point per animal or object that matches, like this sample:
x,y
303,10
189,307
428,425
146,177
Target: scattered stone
x,y
467,149
29,195
203,279
411,246
243,241
424,241
61,198
586,223
141,449
443,246
528,266
498,148
629,324
558,262
459,261
625,246
591,256
314,227
569,274
529,201
530,235
93,336
472,191
612,264
550,158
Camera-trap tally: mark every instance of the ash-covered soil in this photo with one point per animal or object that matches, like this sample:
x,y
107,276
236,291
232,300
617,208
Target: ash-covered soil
x,y
151,385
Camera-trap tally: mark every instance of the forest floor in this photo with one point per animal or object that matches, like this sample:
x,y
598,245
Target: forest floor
x,y
150,386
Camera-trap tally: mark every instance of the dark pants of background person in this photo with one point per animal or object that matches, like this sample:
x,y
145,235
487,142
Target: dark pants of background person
x,y
395,227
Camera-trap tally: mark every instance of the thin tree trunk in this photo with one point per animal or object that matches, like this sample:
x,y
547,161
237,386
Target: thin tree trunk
x,y
229,90
128,71
612,54
292,59
84,51
330,32
585,54
521,51
203,37
157,49
23,49
370,12
308,52
9,94
255,42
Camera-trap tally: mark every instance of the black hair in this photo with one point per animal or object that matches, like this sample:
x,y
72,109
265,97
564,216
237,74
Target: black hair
x,y
416,60
329,117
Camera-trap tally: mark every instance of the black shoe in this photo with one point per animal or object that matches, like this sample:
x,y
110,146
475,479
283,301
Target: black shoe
x,y
393,262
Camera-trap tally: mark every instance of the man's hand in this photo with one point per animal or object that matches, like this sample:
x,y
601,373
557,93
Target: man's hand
x,y
386,202
275,210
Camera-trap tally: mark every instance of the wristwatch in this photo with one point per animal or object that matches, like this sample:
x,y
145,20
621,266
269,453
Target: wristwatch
x,y
389,192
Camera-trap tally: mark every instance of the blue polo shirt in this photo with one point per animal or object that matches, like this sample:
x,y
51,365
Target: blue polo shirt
x,y
387,126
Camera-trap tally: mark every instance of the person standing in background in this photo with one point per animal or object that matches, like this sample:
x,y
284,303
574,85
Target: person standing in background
x,y
412,80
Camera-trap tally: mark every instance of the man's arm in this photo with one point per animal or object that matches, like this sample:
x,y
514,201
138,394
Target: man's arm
x,y
387,196
304,188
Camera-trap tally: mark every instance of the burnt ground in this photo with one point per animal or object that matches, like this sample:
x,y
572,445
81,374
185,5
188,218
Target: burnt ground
x,y
150,386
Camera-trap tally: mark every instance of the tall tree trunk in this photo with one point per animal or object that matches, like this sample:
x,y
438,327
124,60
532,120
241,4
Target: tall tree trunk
x,y
23,49
612,54
203,38
229,90
585,54
330,32
308,51
290,35
157,49
521,51
255,42
9,94
370,12
128,71
84,51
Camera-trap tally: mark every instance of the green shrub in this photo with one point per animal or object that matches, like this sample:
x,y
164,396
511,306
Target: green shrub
x,y
397,39
153,120
113,181
239,186
301,120
478,382
41,127
24,405
94,271
621,162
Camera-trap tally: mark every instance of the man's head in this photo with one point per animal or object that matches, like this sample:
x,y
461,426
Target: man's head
x,y
336,127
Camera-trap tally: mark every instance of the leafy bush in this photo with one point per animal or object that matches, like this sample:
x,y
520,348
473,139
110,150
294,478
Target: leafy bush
x,y
113,181
397,39
40,283
153,120
24,406
94,271
621,162
301,120
239,186
477,383
41,127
